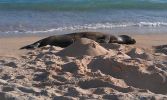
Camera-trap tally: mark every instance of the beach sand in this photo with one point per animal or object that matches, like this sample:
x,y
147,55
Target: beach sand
x,y
84,70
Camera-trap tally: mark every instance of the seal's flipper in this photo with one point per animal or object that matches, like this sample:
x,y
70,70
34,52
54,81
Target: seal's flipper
x,y
31,46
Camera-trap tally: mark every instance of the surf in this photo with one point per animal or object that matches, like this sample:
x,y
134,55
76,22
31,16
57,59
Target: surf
x,y
67,5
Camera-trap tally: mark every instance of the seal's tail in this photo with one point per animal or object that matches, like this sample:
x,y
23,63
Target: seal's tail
x,y
125,39
31,46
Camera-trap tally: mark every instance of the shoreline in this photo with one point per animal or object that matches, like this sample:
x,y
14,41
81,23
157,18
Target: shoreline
x,y
115,31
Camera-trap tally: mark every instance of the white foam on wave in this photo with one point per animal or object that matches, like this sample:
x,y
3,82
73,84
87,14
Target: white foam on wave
x,y
152,24
90,26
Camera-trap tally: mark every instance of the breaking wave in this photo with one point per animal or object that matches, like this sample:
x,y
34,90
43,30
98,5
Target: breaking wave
x,y
90,27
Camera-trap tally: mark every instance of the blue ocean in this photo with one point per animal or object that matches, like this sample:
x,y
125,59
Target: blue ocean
x,y
58,16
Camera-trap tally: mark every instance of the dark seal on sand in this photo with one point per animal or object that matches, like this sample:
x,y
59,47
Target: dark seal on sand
x,y
67,39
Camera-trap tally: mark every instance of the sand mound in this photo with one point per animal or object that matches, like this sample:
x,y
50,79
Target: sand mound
x,y
82,47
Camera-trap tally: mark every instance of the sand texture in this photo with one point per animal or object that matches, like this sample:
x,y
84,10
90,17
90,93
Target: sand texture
x,y
85,70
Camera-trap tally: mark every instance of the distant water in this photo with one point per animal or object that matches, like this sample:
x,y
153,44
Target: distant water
x,y
53,16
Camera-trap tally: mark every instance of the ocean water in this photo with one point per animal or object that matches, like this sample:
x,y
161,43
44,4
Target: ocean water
x,y
57,16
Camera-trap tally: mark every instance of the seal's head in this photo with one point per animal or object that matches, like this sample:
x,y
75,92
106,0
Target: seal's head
x,y
125,39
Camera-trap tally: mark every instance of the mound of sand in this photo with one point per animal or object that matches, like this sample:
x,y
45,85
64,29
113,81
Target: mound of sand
x,y
82,47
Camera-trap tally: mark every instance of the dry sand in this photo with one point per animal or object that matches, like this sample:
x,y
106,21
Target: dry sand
x,y
84,70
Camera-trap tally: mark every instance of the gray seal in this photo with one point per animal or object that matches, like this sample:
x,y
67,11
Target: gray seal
x,y
67,39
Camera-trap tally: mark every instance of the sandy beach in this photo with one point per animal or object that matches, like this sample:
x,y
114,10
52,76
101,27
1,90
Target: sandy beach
x,y
84,70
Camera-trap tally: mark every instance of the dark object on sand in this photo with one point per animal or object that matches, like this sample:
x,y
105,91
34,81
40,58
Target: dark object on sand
x,y
67,39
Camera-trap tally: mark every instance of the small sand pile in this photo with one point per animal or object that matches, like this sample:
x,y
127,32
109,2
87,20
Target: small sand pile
x,y
82,47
